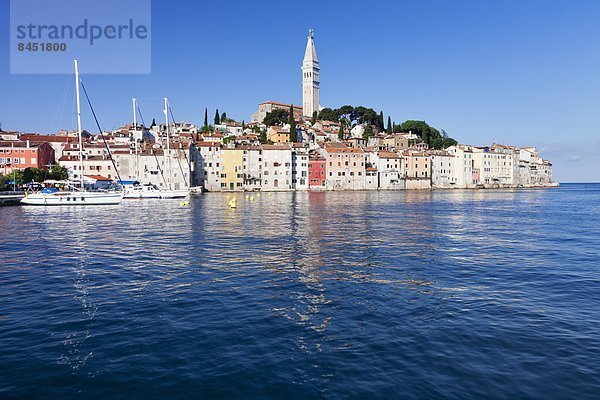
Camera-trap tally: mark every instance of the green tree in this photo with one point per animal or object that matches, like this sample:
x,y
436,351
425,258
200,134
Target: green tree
x,y
217,118
276,117
58,173
314,117
327,114
263,137
380,124
205,118
229,139
389,125
243,125
368,132
32,174
292,122
223,117
341,133
346,112
428,134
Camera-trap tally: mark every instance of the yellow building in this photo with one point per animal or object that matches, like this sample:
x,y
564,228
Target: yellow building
x,y
232,175
277,134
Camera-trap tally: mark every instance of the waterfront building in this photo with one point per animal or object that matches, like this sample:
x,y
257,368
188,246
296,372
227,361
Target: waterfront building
x,y
443,165
464,174
345,167
252,167
58,142
206,159
317,173
417,167
276,167
300,166
389,170
310,78
232,169
17,154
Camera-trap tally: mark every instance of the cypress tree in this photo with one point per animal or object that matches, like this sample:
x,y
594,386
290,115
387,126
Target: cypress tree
x,y
217,118
224,117
389,128
380,122
292,122
205,117
314,118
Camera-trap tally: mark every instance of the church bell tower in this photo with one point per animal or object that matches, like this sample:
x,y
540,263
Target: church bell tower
x,y
310,78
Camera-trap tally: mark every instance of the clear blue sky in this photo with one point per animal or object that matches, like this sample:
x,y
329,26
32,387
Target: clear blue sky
x,y
515,72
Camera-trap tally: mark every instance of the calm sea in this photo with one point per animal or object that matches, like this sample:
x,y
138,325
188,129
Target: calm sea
x,y
447,294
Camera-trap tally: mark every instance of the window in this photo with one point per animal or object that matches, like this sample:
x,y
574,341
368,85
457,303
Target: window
x,y
223,175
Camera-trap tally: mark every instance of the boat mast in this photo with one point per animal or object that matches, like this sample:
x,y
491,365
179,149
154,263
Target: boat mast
x,y
137,159
79,124
168,142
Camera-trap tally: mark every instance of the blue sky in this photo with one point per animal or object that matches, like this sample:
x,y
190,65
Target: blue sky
x,y
514,72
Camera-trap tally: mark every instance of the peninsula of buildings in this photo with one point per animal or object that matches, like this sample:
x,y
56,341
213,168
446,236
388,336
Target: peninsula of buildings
x,y
283,147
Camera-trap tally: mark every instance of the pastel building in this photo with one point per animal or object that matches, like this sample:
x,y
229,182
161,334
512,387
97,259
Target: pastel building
x,y
276,167
20,155
345,167
232,169
317,173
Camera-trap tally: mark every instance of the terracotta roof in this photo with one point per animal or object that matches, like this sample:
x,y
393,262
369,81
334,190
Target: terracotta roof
x,y
99,178
275,147
207,144
387,154
47,138
341,149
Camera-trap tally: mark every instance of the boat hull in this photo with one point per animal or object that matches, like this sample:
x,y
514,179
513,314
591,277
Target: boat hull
x,y
72,199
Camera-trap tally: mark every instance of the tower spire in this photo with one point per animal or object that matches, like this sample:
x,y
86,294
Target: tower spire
x,y
310,77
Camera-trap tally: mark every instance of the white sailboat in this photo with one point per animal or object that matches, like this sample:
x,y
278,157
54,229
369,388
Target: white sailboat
x,y
148,190
55,197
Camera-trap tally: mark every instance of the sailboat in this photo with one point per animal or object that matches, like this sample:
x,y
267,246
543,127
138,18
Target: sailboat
x,y
148,190
81,197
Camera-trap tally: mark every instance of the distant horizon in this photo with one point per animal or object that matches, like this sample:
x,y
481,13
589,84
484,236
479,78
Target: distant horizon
x,y
484,72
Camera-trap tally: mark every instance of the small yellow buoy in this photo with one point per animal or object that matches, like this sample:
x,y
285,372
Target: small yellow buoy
x,y
184,203
269,194
251,198
247,196
232,203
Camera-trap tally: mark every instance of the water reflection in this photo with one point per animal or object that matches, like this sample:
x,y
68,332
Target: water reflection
x,y
343,293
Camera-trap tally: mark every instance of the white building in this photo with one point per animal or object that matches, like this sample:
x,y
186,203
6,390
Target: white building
x,y
206,158
252,167
276,167
443,166
300,167
389,170
463,170
310,78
